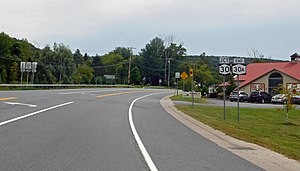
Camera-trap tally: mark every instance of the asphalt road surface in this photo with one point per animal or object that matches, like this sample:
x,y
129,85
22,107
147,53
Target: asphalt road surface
x,y
102,129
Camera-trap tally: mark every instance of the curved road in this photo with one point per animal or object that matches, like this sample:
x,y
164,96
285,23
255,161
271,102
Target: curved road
x,y
89,129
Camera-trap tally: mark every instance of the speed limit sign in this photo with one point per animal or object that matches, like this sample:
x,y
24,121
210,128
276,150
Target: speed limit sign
x,y
224,69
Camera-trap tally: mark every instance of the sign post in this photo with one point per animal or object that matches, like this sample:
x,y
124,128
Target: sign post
x,y
183,76
22,69
239,68
177,76
192,79
224,69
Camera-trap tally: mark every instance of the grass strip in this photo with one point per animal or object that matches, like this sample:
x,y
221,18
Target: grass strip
x,y
265,127
189,99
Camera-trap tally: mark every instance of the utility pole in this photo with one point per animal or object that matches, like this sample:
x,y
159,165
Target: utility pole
x,y
169,62
129,65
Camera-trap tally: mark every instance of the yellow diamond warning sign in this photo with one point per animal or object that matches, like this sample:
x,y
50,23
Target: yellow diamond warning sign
x,y
184,75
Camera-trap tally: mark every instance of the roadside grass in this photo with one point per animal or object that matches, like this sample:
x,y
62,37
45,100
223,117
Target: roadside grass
x,y
189,99
265,127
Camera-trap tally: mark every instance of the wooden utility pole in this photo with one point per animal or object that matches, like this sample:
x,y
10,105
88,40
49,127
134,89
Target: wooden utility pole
x,y
129,65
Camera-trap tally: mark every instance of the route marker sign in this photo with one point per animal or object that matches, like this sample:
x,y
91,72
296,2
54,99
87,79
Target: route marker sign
x,y
239,69
184,75
224,67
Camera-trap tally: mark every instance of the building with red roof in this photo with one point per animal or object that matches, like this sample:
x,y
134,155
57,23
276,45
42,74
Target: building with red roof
x,y
267,76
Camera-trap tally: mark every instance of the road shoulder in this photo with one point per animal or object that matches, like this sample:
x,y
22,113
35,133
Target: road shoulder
x,y
253,153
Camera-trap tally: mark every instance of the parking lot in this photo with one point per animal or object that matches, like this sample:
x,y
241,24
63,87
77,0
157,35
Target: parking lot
x,y
218,102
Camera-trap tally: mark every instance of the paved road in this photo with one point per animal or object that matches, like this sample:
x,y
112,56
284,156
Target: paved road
x,y
89,129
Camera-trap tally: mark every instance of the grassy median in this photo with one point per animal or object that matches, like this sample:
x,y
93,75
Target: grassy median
x,y
265,127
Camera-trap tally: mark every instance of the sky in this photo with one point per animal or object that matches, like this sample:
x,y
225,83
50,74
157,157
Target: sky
x,y
216,27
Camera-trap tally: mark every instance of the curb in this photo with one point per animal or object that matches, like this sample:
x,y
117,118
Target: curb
x,y
260,156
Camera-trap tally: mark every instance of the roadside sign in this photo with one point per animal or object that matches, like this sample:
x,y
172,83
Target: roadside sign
x,y
238,60
177,74
28,66
191,72
239,69
184,75
109,76
34,66
224,69
224,60
22,66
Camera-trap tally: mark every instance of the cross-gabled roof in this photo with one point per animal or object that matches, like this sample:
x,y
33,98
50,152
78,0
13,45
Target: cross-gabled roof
x,y
257,70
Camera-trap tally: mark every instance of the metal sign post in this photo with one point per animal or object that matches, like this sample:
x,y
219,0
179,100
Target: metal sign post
x,y
177,76
238,69
192,77
224,69
22,69
183,76
28,69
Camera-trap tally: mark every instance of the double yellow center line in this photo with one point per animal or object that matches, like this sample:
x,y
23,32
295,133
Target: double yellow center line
x,y
115,94
8,98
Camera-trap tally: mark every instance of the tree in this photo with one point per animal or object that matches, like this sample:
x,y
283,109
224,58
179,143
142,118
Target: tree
x,y
153,62
4,76
78,58
5,44
289,92
63,62
123,51
136,75
113,64
14,72
83,74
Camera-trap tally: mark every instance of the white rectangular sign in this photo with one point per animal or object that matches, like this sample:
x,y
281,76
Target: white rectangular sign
x,y
238,60
224,60
177,74
22,66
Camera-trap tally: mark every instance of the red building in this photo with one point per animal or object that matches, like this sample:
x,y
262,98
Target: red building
x,y
267,76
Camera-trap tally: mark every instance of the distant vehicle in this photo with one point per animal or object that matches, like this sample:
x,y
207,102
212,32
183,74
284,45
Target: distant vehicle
x,y
296,99
279,98
261,97
242,96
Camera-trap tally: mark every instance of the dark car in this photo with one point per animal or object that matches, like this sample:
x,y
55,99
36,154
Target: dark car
x,y
242,96
261,97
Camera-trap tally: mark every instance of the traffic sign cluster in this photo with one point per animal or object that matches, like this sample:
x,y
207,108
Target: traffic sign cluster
x,y
238,67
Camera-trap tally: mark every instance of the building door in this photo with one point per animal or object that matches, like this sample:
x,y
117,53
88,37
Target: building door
x,y
274,80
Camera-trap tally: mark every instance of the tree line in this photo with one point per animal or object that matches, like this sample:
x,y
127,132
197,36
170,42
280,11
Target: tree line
x,y
155,64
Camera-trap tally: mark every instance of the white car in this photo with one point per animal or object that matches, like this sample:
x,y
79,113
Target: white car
x,y
242,96
279,98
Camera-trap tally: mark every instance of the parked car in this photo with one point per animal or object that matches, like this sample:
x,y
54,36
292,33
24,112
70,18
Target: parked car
x,y
296,99
242,96
279,98
261,97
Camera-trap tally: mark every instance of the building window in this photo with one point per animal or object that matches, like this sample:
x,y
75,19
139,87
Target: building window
x,y
274,80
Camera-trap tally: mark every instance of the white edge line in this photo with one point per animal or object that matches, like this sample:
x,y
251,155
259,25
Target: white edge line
x,y
146,155
34,113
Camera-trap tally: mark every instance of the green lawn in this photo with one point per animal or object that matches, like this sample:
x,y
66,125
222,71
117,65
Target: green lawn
x,y
266,127
189,99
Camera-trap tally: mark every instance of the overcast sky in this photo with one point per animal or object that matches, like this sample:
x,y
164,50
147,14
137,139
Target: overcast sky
x,y
216,27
